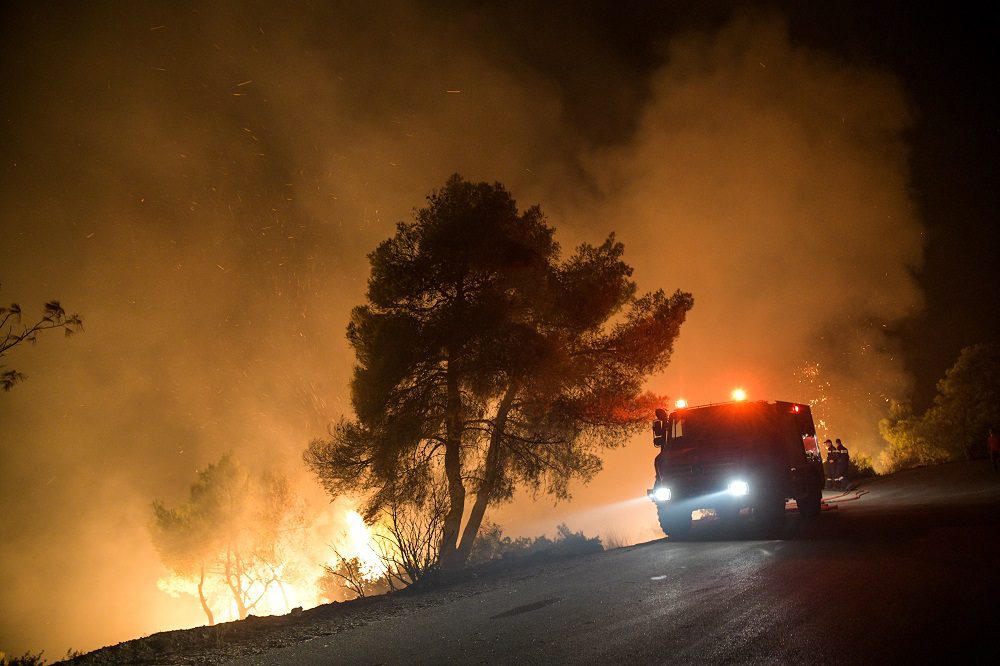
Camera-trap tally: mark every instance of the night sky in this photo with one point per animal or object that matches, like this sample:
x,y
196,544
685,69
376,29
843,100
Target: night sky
x,y
203,183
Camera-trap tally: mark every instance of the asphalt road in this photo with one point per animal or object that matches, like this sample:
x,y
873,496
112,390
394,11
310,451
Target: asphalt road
x,y
901,570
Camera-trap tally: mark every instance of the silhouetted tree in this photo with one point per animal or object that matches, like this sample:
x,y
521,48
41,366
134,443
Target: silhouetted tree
x,y
15,332
486,363
230,531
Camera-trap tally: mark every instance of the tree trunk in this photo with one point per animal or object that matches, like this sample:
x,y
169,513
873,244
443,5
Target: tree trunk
x,y
491,473
453,469
201,597
234,578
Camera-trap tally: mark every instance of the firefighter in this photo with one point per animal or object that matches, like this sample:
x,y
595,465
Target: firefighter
x,y
831,463
843,464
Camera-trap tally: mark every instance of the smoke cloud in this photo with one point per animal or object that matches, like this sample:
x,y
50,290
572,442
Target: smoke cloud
x,y
204,186
770,181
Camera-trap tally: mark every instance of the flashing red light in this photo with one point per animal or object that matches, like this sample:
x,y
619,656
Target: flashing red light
x,y
795,409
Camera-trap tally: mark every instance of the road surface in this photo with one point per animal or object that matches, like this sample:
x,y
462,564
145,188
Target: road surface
x,y
900,570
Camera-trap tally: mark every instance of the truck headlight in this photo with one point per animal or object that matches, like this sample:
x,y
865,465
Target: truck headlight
x,y
738,488
660,494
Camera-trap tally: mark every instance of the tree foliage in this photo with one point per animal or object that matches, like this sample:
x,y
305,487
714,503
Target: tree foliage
x,y
967,404
231,532
908,442
486,363
16,332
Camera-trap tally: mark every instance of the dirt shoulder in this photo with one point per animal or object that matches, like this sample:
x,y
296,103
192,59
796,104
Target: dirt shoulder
x,y
231,641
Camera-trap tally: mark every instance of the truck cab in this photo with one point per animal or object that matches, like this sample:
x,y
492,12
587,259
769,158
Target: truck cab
x,y
737,460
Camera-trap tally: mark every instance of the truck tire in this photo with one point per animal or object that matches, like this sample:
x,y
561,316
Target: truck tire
x,y
810,505
675,523
728,513
770,515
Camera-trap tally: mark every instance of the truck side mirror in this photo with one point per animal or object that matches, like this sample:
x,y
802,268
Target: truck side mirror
x,y
659,433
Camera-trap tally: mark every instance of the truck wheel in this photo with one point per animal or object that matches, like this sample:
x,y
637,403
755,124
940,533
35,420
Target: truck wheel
x,y
728,513
810,505
676,523
770,514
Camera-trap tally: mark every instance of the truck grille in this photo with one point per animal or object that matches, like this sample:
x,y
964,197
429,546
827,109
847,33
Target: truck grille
x,y
700,477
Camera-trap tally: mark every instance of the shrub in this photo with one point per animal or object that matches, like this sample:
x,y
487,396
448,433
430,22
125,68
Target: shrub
x,y
861,467
491,545
26,659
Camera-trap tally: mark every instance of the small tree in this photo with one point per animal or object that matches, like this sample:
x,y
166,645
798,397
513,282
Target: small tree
x,y
231,531
15,332
484,361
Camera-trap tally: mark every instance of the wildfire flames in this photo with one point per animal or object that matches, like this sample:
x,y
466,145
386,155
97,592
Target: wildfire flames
x,y
294,582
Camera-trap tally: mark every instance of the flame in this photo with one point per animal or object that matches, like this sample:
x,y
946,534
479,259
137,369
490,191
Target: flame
x,y
359,544
293,582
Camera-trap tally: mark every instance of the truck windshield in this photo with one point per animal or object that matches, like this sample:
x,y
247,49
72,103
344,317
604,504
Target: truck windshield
x,y
711,424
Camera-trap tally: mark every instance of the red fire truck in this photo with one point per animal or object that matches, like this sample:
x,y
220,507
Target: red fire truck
x,y
736,460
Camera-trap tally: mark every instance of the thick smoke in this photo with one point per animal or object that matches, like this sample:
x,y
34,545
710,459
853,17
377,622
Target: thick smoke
x,y
770,181
204,186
